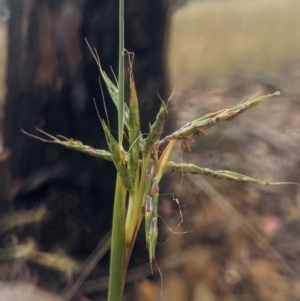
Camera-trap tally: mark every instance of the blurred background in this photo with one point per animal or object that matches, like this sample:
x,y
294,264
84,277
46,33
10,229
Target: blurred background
x,y
220,53
4,16
212,39
243,240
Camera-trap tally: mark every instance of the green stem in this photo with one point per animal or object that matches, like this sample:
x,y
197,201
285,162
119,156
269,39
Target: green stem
x,y
118,248
117,256
121,73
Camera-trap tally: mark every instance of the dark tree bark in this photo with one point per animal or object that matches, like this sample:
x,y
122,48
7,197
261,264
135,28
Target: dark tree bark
x,y
52,80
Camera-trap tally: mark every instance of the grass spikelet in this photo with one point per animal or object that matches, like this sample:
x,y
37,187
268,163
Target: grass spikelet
x,y
199,125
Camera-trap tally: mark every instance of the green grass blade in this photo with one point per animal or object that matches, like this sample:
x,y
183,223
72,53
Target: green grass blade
x,y
118,249
118,261
111,88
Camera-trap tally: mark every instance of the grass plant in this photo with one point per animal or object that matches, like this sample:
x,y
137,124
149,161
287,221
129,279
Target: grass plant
x,y
141,166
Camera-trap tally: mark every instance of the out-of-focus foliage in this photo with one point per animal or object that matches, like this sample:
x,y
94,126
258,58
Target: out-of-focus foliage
x,y
209,39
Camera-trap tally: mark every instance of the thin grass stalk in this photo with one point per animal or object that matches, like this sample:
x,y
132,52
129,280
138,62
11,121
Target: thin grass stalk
x,y
121,73
118,248
117,254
